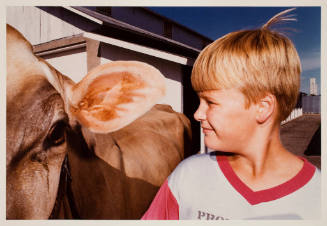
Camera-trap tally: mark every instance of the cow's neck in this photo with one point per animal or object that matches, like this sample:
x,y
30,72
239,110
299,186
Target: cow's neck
x,y
104,147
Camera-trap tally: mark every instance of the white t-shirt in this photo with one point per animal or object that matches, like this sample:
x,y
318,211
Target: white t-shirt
x,y
205,187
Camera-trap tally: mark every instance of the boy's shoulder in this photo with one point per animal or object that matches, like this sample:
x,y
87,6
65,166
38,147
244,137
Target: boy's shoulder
x,y
195,176
194,160
195,166
315,180
197,160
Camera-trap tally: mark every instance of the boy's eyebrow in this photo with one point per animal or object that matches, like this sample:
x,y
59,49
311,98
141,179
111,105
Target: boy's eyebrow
x,y
203,95
206,96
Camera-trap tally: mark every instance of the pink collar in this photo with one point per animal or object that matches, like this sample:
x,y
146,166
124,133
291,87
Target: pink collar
x,y
256,197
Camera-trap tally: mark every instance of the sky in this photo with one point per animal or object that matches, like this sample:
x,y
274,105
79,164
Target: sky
x,y
214,22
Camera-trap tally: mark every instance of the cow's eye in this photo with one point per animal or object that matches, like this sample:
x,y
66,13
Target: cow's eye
x,y
57,134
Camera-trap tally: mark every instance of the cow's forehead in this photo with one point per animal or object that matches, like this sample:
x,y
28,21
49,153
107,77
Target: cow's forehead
x,y
19,78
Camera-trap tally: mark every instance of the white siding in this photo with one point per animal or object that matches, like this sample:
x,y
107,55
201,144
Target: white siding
x,y
39,26
71,63
173,95
26,19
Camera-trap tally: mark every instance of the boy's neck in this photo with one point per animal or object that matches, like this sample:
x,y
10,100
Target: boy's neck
x,y
265,163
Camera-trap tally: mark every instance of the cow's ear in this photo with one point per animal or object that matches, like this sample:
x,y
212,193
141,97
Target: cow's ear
x,y
114,94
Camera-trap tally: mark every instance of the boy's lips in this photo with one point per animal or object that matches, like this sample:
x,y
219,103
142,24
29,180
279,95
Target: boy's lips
x,y
206,130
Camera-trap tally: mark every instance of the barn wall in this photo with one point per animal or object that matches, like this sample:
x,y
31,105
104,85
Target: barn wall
x,y
172,71
28,15
72,63
44,24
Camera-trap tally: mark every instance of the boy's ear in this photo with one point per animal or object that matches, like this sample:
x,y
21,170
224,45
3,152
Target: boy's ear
x,y
265,108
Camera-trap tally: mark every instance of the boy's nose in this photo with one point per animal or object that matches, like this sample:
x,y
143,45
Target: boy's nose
x,y
199,115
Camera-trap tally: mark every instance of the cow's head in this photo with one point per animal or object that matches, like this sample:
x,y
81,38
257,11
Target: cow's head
x,y
43,104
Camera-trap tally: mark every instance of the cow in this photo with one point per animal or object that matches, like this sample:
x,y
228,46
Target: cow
x,y
107,133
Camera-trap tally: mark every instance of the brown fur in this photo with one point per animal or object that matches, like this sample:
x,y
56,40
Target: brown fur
x,y
121,179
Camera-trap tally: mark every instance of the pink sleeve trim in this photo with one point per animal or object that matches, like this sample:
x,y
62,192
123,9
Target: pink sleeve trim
x,y
164,206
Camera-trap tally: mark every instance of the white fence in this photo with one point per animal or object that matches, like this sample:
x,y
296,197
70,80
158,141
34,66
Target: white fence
x,y
297,112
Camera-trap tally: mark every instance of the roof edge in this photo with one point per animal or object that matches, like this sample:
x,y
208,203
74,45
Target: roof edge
x,y
108,21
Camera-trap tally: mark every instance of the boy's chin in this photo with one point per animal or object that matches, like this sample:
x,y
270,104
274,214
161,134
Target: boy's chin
x,y
212,147
209,150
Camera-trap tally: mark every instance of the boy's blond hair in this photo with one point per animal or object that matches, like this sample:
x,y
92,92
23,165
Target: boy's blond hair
x,y
256,62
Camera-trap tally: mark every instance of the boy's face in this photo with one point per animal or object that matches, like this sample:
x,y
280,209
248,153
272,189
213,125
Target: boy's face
x,y
225,122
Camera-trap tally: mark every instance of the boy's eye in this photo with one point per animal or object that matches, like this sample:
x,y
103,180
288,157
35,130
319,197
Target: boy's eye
x,y
209,102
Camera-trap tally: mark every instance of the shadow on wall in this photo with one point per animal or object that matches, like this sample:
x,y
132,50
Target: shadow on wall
x,y
313,151
314,147
190,104
302,137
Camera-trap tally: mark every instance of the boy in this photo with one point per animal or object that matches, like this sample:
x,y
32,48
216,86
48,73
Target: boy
x,y
247,82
